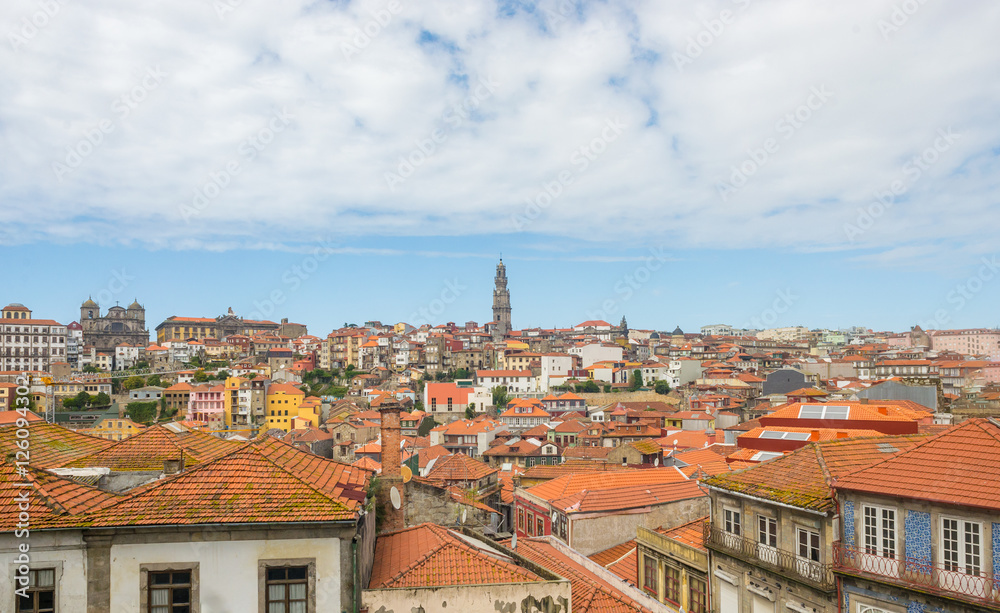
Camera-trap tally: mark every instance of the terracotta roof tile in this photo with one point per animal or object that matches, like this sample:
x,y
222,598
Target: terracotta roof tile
x,y
147,450
590,593
429,555
960,466
803,477
51,446
691,533
458,467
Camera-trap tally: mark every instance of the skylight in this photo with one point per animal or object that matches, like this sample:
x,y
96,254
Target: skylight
x,y
824,411
791,436
764,456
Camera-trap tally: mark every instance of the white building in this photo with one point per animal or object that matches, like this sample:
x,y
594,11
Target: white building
x,y
555,369
27,343
514,381
591,353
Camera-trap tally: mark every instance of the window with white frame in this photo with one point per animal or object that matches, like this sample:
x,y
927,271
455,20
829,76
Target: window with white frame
x,y
880,531
767,531
808,544
961,546
732,521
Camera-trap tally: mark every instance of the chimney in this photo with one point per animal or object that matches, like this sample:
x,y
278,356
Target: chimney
x,y
864,401
392,476
172,467
883,410
814,435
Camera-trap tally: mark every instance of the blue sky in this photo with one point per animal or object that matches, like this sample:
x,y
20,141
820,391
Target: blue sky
x,y
737,161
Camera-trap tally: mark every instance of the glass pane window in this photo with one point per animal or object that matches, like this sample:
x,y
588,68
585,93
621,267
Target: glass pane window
x,y
649,575
672,584
698,590
41,592
287,589
767,531
169,591
809,545
732,521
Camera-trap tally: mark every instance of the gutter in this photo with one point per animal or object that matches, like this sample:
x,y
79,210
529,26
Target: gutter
x,y
764,500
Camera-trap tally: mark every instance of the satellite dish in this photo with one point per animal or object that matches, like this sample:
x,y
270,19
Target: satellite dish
x,y
513,541
407,474
656,461
465,513
554,516
394,498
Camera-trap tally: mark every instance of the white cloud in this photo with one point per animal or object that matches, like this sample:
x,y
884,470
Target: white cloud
x,y
221,81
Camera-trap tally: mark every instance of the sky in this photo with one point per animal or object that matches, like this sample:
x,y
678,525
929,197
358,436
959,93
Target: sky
x,y
753,162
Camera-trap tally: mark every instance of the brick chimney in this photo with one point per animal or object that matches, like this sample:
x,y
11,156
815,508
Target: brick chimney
x,y
391,477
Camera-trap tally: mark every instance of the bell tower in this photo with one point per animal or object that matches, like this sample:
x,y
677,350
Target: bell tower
x,y
501,304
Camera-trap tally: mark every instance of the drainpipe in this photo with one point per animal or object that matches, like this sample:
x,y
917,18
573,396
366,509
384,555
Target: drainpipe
x,y
356,598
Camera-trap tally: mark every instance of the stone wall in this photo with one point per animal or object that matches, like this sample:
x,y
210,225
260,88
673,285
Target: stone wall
x,y
597,400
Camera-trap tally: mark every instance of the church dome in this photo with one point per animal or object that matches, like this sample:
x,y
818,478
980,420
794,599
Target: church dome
x,y
655,336
135,305
678,332
89,304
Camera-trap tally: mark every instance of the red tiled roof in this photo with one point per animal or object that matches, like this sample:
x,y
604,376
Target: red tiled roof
x,y
960,466
266,480
574,483
590,593
49,496
621,559
429,555
691,533
51,446
458,467
147,450
803,478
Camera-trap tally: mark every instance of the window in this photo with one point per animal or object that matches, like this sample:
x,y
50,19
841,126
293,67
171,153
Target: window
x,y
649,574
961,546
808,545
697,595
732,521
880,531
767,531
287,589
540,530
41,592
531,525
169,588
672,584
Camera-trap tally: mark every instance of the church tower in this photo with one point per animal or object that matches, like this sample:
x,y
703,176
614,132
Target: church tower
x,y
501,304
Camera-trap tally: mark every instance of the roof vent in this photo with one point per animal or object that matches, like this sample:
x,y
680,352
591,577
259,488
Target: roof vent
x,y
887,448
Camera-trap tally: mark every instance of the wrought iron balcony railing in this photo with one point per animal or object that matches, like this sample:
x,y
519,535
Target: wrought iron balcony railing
x,y
961,581
785,563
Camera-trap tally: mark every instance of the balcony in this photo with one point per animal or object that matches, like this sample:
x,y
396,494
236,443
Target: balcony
x,y
980,588
784,563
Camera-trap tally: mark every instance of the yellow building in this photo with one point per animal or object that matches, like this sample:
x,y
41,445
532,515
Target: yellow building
x,y
115,428
286,402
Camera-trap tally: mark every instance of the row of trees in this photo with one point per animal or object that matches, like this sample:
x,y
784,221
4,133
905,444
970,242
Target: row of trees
x,y
84,400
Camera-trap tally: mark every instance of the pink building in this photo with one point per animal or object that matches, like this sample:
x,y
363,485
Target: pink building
x,y
975,341
206,404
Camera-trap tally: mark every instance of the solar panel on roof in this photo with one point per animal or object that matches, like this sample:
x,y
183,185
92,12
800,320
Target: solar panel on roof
x,y
839,411
772,434
811,411
763,456
797,436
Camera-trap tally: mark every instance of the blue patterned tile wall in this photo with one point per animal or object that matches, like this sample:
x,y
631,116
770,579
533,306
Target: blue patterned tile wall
x,y
996,556
915,607
848,527
918,541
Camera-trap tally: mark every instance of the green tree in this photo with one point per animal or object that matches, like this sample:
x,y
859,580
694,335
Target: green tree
x,y
587,387
154,380
141,364
661,387
500,398
607,388
141,412
636,381
90,368
200,376
470,411
82,400
101,400
462,373
134,382
425,426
